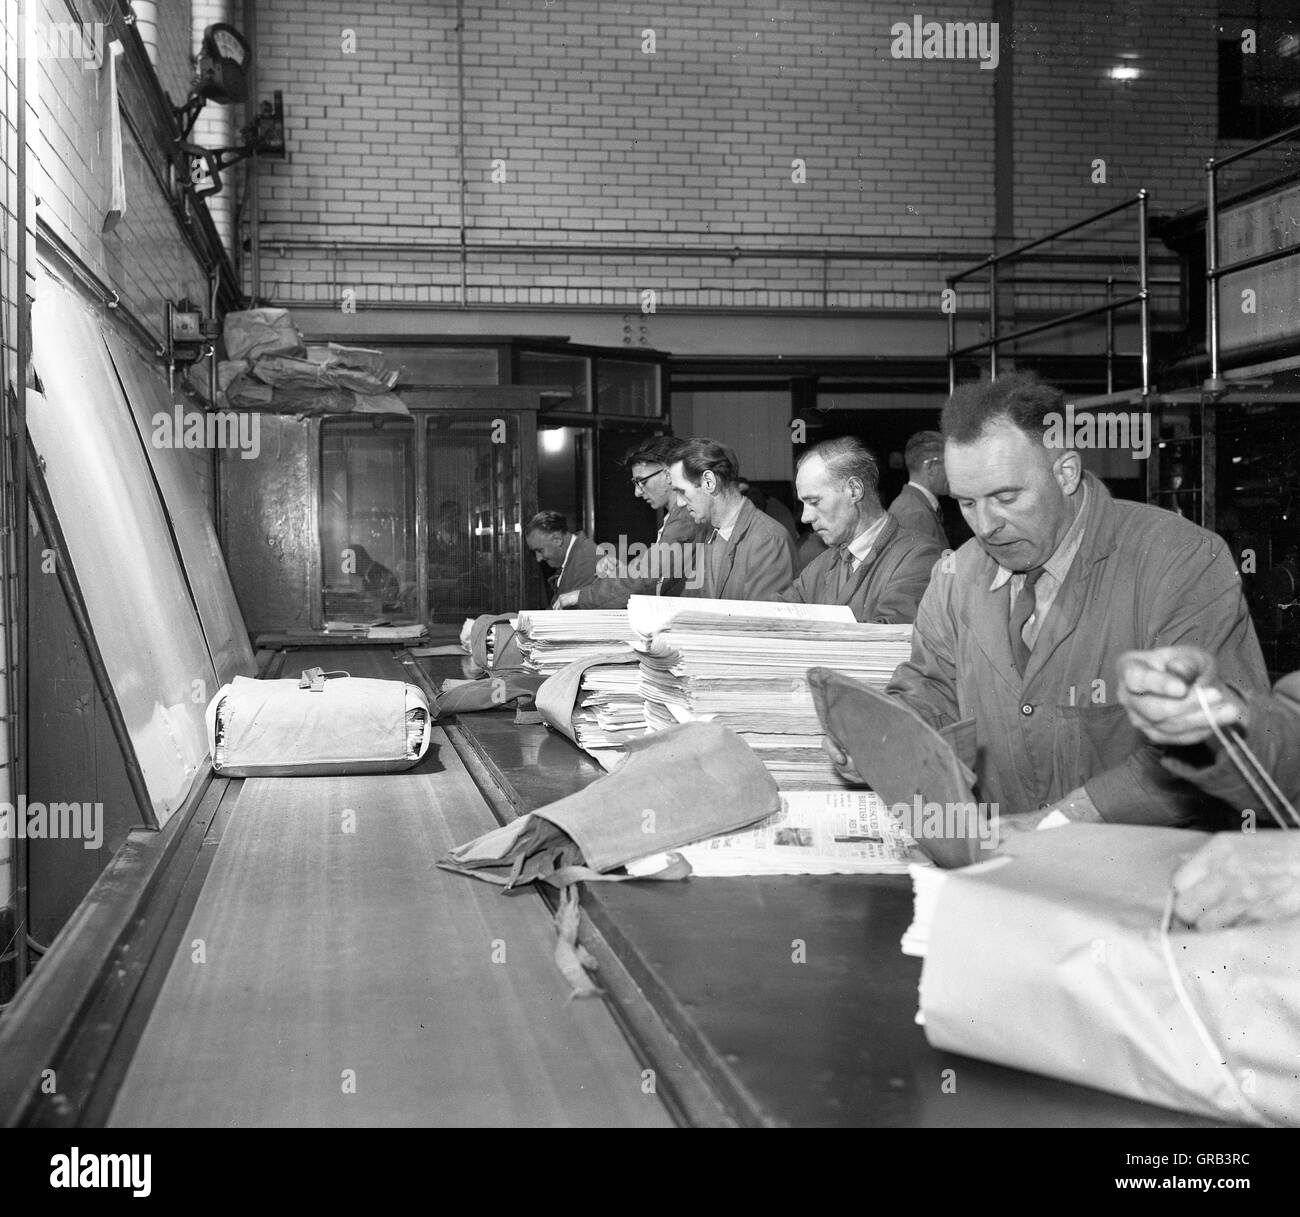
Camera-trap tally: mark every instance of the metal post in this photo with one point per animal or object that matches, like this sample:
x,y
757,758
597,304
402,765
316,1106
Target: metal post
x,y
1144,292
1212,266
1110,337
18,685
993,320
952,341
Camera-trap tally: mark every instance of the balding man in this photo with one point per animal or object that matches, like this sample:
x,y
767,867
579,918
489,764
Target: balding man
x,y
572,555
748,555
916,507
872,564
1020,632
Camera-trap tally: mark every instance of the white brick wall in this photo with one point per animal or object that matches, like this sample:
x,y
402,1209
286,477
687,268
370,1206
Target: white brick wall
x,y
693,145
144,257
690,146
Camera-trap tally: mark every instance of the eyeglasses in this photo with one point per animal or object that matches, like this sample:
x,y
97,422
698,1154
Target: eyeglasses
x,y
640,482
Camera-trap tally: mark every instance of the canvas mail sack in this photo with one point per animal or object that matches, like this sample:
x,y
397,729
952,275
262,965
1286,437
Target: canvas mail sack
x,y
690,782
499,679
909,764
317,725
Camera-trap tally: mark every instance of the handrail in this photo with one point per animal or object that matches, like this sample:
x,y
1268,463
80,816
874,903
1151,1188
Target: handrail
x,y
1213,271
1142,298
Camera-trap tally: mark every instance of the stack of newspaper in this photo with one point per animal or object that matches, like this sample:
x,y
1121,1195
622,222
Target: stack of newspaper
x,y
606,707
745,665
553,639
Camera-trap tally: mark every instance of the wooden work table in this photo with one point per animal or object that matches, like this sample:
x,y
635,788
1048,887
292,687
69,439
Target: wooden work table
x,y
829,1041
326,954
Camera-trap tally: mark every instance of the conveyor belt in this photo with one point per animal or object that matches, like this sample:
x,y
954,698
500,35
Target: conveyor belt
x,y
347,981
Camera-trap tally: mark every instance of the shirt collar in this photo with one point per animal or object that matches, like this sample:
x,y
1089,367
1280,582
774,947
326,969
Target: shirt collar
x,y
1058,565
925,490
861,545
567,552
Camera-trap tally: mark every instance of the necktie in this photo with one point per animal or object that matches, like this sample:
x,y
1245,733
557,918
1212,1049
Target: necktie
x,y
843,572
1021,612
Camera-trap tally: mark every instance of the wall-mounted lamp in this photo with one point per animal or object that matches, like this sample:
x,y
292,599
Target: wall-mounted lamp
x,y
222,72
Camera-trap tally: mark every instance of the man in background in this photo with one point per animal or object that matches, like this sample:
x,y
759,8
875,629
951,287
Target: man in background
x,y
661,571
872,564
917,506
571,554
748,555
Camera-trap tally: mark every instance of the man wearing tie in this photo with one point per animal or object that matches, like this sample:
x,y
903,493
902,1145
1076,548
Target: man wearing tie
x,y
916,507
872,564
1018,638
571,554
662,570
748,555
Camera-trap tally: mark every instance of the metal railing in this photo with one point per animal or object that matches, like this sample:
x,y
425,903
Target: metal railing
x,y
1213,271
991,264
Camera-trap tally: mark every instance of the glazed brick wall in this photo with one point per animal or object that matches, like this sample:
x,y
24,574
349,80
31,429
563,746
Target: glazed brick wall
x,y
605,145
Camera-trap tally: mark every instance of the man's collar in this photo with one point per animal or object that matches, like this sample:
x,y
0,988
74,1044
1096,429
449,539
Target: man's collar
x,y
861,545
925,490
1059,563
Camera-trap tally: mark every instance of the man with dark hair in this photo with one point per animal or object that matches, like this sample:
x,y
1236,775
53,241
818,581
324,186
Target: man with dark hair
x,y
572,554
873,565
916,506
661,570
1020,632
748,555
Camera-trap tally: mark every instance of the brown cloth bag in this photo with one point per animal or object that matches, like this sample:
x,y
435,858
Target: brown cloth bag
x,y
906,761
690,782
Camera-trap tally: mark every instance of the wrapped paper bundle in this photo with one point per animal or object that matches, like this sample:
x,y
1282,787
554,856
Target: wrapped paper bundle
x,y
1060,956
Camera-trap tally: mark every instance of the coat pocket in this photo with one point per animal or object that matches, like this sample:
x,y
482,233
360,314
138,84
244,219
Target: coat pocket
x,y
1094,738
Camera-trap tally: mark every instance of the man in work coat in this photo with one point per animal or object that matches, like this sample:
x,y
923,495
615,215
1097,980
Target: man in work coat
x,y
748,555
872,564
661,569
1020,632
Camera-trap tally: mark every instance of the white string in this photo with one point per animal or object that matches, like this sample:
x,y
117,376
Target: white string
x,y
1254,773
1202,1032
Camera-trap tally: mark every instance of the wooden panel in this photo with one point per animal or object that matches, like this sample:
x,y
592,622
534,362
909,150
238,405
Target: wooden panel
x,y
756,425
334,957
